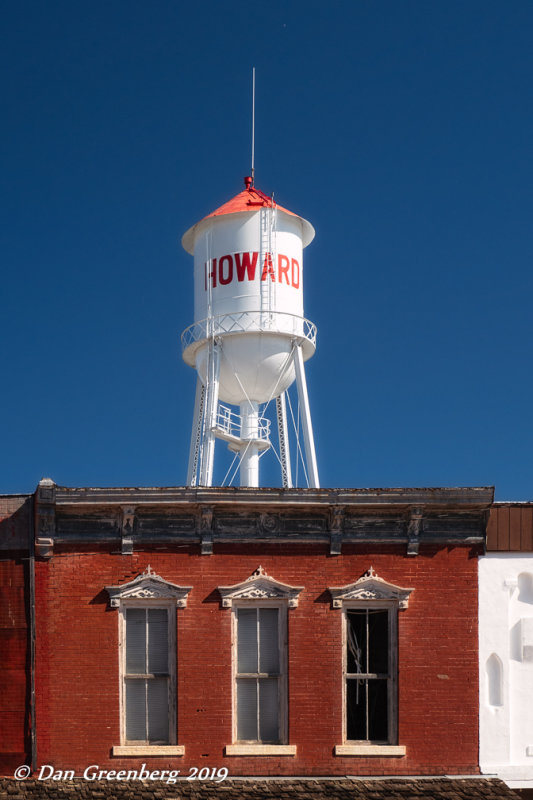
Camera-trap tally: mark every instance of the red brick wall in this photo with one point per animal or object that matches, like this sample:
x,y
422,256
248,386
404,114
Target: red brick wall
x,y
14,649
77,658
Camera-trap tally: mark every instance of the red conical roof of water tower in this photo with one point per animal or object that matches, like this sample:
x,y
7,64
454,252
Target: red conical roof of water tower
x,y
251,199
248,200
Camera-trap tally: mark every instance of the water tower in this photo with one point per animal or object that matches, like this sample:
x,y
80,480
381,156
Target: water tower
x,y
249,340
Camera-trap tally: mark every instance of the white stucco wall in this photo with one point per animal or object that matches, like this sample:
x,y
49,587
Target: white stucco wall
x,y
506,666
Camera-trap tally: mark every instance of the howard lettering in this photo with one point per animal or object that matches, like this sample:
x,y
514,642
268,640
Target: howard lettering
x,y
241,267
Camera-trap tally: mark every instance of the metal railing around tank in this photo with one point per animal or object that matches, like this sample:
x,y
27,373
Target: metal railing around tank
x,y
250,322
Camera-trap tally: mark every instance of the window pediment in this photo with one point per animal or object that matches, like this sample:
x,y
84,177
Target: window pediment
x,y
260,586
148,586
368,588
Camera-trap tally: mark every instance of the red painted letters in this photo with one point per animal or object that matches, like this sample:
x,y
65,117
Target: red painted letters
x,y
295,273
225,279
268,268
244,266
283,269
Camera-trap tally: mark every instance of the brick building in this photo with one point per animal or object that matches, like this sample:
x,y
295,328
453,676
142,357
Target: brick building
x,y
269,632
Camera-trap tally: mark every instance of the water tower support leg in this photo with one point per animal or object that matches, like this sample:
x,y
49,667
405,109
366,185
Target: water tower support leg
x,y
309,441
207,446
196,435
284,453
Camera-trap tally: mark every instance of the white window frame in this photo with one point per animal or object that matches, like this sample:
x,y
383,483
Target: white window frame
x,y
170,607
261,590
392,679
148,590
282,676
370,592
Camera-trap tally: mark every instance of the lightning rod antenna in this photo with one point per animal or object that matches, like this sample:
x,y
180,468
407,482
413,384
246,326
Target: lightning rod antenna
x,y
253,124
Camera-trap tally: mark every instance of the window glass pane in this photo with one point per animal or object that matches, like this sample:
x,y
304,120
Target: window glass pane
x,y
247,709
356,709
268,710
157,640
378,642
157,709
356,642
135,709
247,640
268,640
378,728
135,640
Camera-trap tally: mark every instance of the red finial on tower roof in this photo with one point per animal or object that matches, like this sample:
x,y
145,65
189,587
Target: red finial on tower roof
x,y
248,182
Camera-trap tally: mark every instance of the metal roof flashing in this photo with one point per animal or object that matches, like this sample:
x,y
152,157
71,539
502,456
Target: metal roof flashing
x,y
478,497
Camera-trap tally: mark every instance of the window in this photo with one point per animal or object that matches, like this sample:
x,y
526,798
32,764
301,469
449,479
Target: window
x,y
370,609
147,675
259,616
147,657
370,674
259,678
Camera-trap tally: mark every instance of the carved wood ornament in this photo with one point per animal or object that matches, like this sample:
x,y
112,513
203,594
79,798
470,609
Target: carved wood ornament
x,y
370,587
260,586
148,586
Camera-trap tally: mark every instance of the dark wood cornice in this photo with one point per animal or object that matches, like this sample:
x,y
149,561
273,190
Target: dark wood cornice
x,y
143,517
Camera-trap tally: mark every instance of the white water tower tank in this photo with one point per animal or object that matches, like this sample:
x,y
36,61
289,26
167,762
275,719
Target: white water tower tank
x,y
248,299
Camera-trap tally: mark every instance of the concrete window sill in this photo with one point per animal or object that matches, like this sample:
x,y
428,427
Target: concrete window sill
x,y
260,749
383,750
148,750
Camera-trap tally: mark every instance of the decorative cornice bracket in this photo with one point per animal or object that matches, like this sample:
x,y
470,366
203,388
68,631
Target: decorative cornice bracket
x,y
414,529
127,524
206,530
45,518
336,529
44,547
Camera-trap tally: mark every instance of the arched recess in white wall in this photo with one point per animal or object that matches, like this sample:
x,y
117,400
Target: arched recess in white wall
x,y
525,587
494,671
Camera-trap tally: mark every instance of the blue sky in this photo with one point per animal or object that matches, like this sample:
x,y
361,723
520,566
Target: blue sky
x,y
401,130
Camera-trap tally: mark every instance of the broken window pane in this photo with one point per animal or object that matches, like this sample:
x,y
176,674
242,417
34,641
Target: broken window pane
x,y
356,709
356,642
368,655
378,642
378,722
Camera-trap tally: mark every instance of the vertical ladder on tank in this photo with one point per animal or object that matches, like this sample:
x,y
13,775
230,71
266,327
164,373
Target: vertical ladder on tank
x,y
267,255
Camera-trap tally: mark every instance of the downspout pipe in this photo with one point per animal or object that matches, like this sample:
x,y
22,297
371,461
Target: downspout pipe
x,y
31,564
